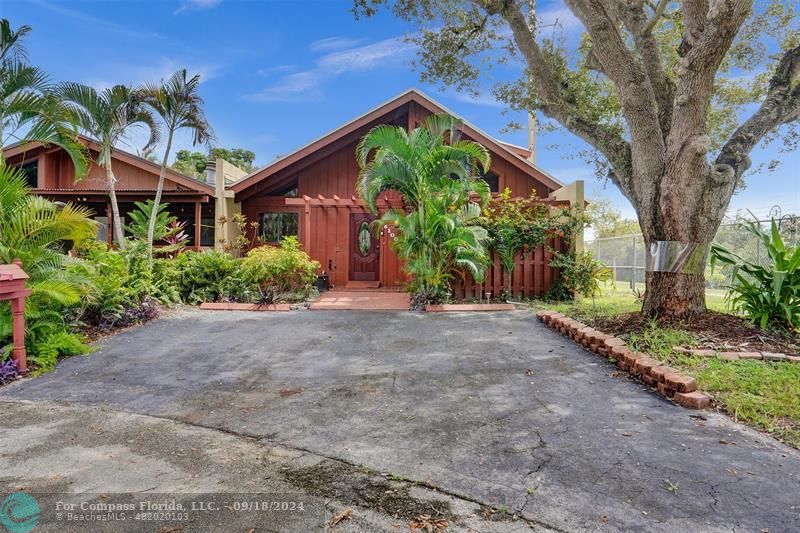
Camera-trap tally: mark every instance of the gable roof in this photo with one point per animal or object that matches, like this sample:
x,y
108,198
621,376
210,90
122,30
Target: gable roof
x,y
127,157
411,95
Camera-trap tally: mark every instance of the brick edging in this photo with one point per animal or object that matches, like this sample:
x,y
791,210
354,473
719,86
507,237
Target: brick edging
x,y
668,381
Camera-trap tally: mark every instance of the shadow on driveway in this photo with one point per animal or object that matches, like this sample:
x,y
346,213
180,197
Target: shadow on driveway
x,y
447,400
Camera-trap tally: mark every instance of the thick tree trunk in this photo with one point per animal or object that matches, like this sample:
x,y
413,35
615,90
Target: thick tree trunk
x,y
673,295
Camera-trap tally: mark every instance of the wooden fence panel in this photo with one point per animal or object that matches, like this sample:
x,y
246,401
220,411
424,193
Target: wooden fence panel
x,y
532,276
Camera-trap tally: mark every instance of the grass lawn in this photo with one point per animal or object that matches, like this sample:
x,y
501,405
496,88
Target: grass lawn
x,y
763,394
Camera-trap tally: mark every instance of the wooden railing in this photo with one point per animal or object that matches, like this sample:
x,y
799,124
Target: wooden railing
x,y
532,276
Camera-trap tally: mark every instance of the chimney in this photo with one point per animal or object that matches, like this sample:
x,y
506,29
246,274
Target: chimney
x,y
211,170
532,128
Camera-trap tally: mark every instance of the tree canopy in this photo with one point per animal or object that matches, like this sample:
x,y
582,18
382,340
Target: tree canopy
x,y
194,163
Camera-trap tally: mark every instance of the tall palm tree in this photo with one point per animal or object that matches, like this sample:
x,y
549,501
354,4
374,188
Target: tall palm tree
x,y
437,173
178,102
27,101
107,116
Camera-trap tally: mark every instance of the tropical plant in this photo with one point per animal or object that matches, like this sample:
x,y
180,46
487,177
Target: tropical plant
x,y
438,175
280,272
209,276
107,116
140,220
195,163
768,294
36,231
27,101
177,101
579,273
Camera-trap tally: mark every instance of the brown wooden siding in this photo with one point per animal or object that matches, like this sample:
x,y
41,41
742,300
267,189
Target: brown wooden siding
x,y
333,170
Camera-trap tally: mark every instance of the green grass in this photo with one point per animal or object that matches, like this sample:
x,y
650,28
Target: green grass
x,y
615,300
763,394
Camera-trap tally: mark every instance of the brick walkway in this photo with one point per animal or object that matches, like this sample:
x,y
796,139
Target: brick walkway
x,y
361,300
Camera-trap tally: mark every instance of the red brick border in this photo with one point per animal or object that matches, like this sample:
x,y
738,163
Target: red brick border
x,y
666,380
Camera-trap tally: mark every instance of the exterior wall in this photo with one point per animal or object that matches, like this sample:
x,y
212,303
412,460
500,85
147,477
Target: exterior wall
x,y
225,205
334,173
574,194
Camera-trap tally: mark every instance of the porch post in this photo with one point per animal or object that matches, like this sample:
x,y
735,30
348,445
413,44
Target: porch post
x,y
18,328
197,222
307,223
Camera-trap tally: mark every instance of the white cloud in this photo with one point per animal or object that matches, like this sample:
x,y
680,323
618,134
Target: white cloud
x,y
162,68
292,88
196,4
366,57
333,43
483,99
97,22
305,85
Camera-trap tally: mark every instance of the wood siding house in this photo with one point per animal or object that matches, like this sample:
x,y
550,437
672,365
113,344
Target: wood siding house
x,y
310,193
50,173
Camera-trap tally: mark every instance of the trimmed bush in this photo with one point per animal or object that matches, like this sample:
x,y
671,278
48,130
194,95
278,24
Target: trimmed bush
x,y
284,272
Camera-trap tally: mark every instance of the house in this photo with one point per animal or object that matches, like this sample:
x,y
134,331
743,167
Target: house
x,y
310,193
50,173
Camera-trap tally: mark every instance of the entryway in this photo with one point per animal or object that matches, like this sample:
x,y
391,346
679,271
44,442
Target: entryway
x,y
358,300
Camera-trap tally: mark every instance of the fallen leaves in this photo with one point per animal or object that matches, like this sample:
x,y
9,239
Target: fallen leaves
x,y
343,515
425,522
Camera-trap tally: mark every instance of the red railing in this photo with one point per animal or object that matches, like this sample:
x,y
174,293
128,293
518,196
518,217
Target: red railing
x,y
532,276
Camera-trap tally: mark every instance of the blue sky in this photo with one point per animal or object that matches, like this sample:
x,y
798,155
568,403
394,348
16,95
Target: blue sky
x,y
279,74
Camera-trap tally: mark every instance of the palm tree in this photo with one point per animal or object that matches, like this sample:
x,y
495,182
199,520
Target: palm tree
x,y
107,116
438,174
178,102
26,100
33,229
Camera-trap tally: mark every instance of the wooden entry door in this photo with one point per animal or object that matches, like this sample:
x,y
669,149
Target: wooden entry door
x,y
364,248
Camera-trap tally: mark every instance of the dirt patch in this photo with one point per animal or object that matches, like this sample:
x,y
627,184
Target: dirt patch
x,y
355,486
717,331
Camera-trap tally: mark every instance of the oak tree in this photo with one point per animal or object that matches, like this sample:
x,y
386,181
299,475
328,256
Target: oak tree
x,y
671,97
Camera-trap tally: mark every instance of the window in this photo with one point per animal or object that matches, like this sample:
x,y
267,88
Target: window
x,y
290,190
31,172
493,180
102,228
207,232
272,227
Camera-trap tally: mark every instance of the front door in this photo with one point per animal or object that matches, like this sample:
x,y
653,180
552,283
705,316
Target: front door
x,y
364,248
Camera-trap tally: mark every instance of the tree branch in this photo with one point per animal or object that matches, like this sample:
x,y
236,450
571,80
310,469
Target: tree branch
x,y
781,106
604,138
641,28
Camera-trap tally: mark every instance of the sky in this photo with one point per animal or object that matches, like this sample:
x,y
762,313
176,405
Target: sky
x,y
278,74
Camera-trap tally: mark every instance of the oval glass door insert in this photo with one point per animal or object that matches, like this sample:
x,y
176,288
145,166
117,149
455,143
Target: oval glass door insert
x,y
364,239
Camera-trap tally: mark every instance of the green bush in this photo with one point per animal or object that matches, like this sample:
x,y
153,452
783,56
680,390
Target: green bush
x,y
283,272
580,274
768,295
210,276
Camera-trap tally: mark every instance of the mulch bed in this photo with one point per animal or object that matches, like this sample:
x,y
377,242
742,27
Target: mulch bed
x,y
718,331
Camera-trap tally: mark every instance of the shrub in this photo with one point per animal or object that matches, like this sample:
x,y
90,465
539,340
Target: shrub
x,y
769,295
283,272
210,276
580,274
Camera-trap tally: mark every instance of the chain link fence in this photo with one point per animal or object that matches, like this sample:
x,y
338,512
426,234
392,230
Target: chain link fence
x,y
625,255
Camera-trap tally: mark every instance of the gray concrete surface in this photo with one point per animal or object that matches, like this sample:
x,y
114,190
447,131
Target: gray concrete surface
x,y
447,401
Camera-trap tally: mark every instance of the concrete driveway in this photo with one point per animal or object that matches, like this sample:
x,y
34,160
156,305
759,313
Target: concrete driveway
x,y
488,408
